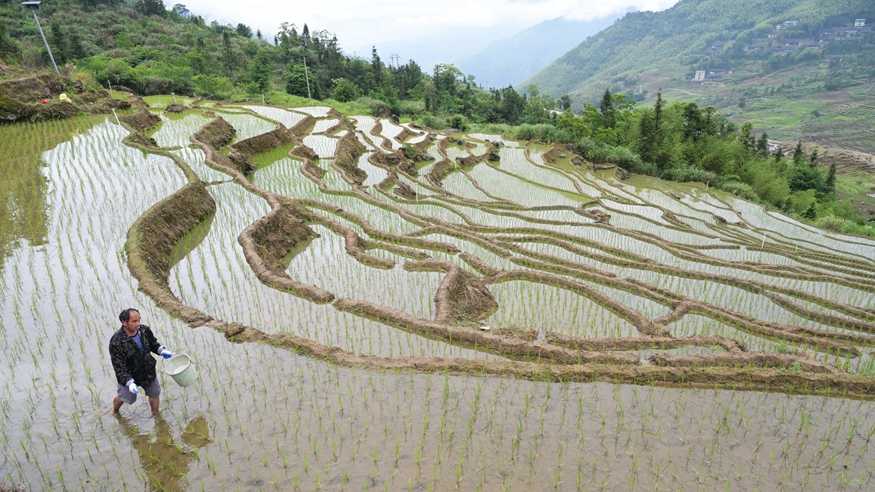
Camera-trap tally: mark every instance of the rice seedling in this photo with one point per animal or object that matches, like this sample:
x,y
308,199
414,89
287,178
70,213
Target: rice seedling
x,y
273,417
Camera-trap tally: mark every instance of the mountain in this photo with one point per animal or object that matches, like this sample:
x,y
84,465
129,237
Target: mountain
x,y
441,47
797,68
512,60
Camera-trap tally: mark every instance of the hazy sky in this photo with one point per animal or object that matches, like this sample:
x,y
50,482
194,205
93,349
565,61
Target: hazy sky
x,y
358,24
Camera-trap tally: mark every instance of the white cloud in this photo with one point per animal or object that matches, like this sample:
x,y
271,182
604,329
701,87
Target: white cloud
x,y
359,24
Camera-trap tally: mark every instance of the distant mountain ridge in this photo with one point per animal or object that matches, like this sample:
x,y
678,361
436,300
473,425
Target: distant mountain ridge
x,y
799,68
512,60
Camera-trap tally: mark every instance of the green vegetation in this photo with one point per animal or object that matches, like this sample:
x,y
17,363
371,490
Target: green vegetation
x,y
683,142
143,47
799,68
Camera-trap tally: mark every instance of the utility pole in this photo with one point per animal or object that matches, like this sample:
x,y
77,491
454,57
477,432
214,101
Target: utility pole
x,y
306,75
33,5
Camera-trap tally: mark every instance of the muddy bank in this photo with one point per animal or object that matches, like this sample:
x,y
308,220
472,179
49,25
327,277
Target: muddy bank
x,y
217,133
461,296
141,120
393,160
508,346
152,238
277,235
242,151
264,142
35,98
268,244
349,149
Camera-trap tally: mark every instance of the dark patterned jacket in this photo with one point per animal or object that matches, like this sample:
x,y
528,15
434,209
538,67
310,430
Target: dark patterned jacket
x,y
129,361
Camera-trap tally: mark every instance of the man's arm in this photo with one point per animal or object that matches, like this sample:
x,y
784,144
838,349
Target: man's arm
x,y
151,341
117,356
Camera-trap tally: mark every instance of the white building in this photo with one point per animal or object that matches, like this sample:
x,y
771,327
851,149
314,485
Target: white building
x,y
700,76
860,23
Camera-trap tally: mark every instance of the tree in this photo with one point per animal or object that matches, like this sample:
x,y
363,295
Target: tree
x,y
647,137
344,90
779,154
8,49
803,177
59,41
244,30
565,102
77,51
305,36
747,138
296,81
180,10
607,110
261,72
227,52
829,185
798,155
376,67
657,113
693,122
814,157
763,145
151,7
511,106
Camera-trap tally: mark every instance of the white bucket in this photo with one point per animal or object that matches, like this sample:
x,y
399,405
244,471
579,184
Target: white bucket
x,y
181,368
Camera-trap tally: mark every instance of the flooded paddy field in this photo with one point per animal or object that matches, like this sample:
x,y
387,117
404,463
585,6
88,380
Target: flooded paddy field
x,y
362,322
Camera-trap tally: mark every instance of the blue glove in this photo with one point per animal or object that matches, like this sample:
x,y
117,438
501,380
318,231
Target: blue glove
x,y
132,387
165,353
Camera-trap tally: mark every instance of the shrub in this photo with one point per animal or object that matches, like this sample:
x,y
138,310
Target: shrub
x,y
544,133
688,173
345,90
739,189
832,223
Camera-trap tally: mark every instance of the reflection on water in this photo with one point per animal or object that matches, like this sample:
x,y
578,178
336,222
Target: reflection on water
x,y
165,462
23,186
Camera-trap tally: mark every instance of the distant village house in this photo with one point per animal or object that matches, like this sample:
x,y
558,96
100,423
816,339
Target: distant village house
x,y
860,23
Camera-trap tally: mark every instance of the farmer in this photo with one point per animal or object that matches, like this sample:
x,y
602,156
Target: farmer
x,y
130,350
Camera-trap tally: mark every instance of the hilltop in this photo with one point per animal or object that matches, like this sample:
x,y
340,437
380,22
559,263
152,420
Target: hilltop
x,y
797,68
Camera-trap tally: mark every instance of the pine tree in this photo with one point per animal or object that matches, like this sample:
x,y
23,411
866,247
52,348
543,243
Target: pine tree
x,y
779,154
798,155
565,102
657,113
830,184
305,36
763,145
376,67
814,157
646,137
746,137
607,110
227,52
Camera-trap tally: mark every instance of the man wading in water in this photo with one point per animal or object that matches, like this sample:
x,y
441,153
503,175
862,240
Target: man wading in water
x,y
130,349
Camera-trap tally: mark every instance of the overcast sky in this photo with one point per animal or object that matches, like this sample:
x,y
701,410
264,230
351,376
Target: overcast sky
x,y
359,24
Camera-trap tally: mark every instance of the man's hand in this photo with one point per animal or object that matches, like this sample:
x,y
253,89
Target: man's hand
x,y
132,387
165,353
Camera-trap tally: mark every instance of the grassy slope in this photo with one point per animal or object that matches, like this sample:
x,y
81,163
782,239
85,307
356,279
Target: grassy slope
x,y
652,51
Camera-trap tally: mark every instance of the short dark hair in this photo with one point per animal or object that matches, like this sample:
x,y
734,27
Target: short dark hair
x,y
125,315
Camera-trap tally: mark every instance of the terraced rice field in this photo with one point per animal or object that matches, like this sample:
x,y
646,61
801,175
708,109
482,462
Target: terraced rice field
x,y
491,318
